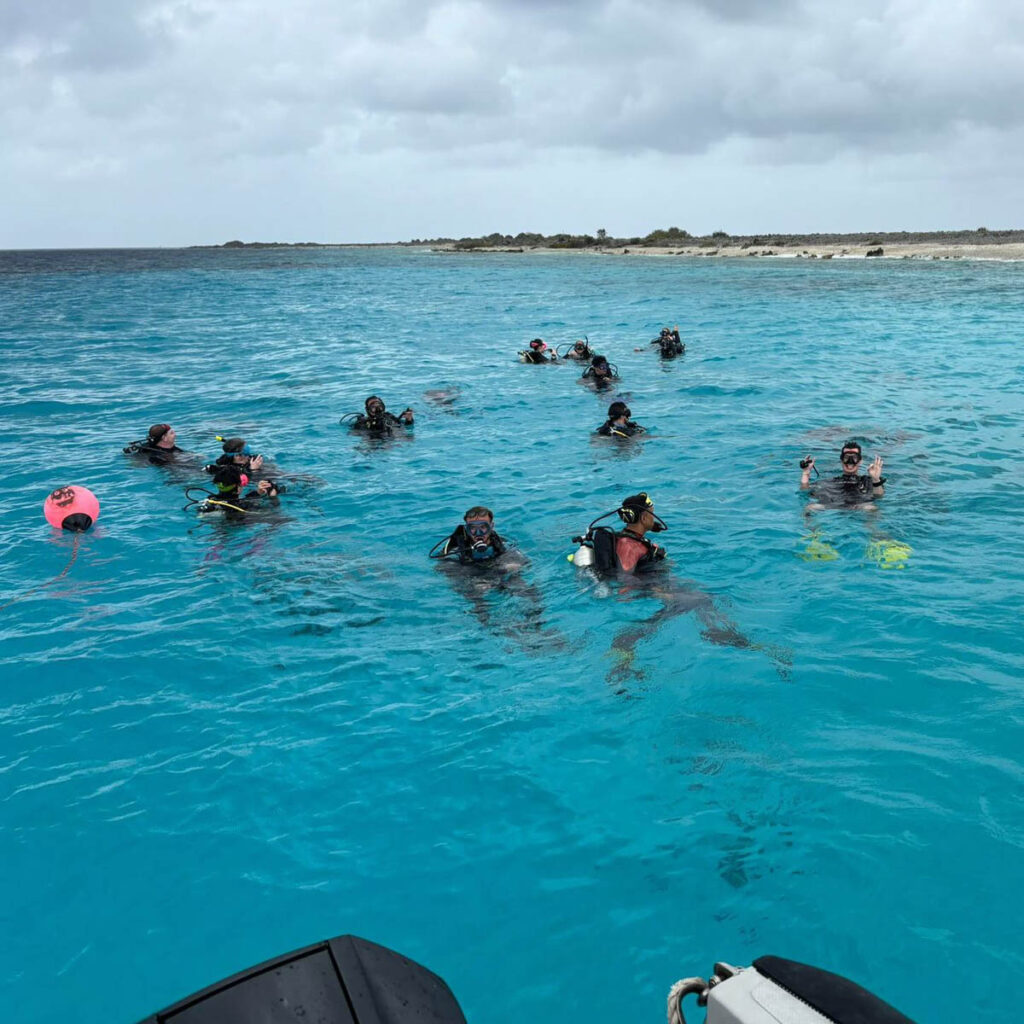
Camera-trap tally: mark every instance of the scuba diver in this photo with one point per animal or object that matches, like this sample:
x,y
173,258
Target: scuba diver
x,y
157,447
375,420
618,423
849,489
229,499
600,373
669,343
605,550
579,350
236,453
485,568
535,353
473,540
629,553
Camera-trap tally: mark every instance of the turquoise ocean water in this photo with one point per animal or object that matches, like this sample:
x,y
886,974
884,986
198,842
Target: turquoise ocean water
x,y
218,744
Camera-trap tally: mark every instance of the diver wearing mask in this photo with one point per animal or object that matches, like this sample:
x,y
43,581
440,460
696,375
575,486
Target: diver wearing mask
x,y
376,420
474,540
236,453
580,351
618,423
669,343
629,550
850,487
600,372
535,353
229,499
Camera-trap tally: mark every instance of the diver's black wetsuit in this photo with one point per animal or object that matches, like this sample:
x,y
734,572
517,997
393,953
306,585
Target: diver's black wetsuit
x,y
238,507
378,425
153,453
670,344
461,542
530,356
845,490
613,429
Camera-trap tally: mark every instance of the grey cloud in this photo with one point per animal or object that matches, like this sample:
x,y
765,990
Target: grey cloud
x,y
622,75
91,35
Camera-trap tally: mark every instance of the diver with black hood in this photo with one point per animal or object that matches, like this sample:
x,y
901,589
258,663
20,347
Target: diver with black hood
x,y
669,343
600,373
619,423
375,420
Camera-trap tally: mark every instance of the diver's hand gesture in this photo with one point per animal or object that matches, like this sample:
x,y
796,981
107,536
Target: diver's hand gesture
x,y
875,469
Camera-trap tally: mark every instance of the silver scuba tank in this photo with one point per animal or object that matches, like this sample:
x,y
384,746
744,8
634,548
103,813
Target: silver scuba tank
x,y
582,557
778,991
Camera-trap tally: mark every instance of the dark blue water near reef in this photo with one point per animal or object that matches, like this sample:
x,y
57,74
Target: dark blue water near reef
x,y
217,743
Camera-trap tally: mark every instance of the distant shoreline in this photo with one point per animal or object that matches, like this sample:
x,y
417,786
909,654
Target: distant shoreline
x,y
1006,251
938,245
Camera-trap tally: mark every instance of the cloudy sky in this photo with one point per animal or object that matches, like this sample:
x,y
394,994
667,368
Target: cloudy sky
x,y
172,122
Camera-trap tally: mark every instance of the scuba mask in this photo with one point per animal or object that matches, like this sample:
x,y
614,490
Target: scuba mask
x,y
479,532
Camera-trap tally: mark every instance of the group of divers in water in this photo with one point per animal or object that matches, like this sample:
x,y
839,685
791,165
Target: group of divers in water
x,y
484,560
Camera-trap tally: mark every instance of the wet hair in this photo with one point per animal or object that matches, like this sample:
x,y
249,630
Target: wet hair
x,y
537,343
617,409
599,361
233,445
374,398
850,446
479,512
158,432
641,502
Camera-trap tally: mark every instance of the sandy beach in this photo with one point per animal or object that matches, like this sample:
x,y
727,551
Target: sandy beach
x,y
1006,252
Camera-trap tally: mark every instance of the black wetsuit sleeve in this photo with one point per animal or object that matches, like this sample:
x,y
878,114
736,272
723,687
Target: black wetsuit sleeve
x,y
453,542
157,456
604,430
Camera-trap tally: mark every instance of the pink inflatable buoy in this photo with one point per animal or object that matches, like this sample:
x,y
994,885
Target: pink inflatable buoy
x,y
72,508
